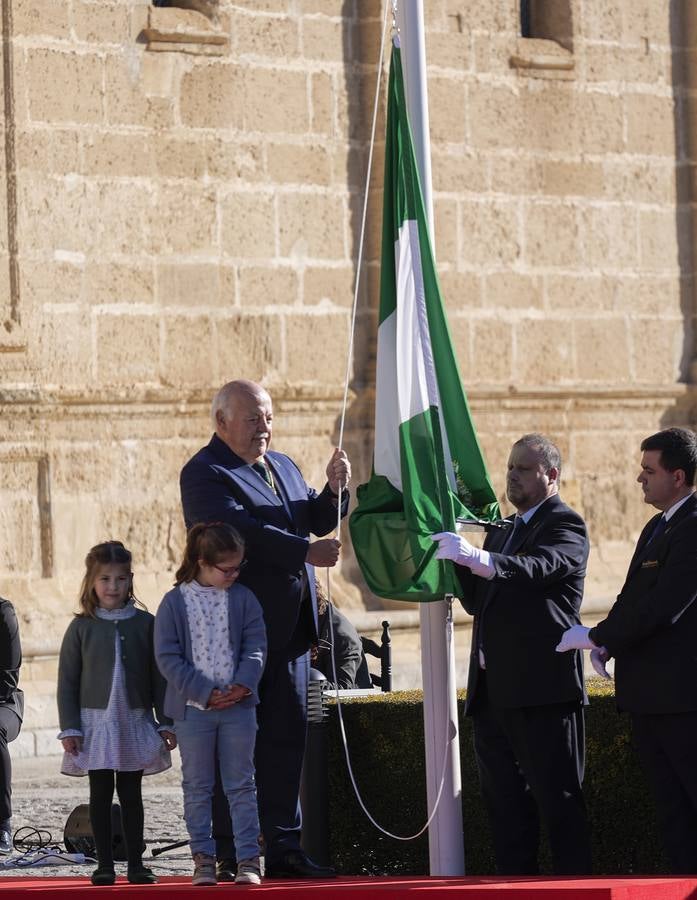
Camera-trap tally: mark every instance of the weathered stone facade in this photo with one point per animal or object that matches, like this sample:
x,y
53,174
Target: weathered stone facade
x,y
180,203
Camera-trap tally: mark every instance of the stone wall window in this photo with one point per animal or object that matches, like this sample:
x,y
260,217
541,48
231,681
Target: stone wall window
x,y
545,48
186,26
550,20
207,7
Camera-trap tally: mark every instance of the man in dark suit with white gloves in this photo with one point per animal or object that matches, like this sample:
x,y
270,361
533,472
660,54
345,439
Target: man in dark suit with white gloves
x,y
651,631
527,701
238,480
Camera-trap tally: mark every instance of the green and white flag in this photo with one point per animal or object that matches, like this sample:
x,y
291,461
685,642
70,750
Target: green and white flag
x,y
428,467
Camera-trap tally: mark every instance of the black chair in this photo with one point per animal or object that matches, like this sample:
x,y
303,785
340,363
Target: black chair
x,y
383,652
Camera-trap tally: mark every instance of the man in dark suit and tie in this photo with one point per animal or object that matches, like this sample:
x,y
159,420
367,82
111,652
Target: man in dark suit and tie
x,y
236,479
526,701
651,631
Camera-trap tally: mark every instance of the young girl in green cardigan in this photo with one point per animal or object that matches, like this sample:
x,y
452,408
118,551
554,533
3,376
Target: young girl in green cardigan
x,y
108,684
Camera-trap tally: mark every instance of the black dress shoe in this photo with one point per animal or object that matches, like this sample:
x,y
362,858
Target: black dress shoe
x,y
141,875
103,875
225,869
295,864
5,842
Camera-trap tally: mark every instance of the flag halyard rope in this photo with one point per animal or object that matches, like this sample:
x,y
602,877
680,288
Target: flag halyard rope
x,y
446,738
449,617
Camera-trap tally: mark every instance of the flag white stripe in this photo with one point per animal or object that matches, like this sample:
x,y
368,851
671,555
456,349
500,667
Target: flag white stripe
x,y
404,384
410,273
427,347
414,389
386,452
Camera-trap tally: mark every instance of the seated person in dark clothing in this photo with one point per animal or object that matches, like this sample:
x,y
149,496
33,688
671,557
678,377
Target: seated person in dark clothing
x,y
349,659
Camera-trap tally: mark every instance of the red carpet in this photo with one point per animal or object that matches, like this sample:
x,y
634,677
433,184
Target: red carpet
x,y
29,887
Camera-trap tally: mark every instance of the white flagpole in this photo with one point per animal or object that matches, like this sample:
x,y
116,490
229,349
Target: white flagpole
x,y
445,839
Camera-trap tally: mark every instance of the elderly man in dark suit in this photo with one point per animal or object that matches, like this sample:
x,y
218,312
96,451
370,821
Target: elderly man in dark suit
x,y
651,631
237,479
526,701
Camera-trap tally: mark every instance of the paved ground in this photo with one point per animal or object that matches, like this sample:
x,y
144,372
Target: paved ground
x,y
42,798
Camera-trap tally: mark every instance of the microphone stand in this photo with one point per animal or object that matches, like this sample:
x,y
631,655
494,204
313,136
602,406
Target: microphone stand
x,y
174,846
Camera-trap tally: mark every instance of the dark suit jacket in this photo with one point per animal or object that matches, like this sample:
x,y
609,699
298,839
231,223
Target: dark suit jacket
x,y
522,612
11,696
217,486
656,657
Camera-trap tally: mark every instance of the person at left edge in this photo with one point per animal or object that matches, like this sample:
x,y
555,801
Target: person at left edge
x,y
262,493
11,713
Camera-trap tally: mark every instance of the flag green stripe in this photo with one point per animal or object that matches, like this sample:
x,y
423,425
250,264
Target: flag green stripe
x,y
402,197
396,539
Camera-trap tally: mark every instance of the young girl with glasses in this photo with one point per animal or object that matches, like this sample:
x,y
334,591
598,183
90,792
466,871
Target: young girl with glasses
x,y
210,643
108,684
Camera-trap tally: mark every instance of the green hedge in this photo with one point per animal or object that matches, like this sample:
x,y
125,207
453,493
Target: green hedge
x,y
385,737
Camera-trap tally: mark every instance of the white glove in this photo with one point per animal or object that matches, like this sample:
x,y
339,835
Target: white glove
x,y
599,657
452,546
575,638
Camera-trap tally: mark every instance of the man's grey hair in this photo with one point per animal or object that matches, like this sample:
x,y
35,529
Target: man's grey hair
x,y
229,392
221,401
547,450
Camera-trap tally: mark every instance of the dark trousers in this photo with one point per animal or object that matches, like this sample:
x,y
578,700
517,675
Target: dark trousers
x,y
128,787
278,759
667,747
10,723
531,762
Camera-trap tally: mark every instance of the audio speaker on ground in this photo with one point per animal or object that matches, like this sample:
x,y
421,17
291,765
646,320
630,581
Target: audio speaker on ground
x,y
78,836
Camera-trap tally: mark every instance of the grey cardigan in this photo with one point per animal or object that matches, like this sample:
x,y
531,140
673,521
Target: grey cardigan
x,y
174,657
86,667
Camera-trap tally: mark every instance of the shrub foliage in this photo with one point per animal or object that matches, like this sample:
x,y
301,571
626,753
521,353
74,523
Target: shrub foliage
x,y
385,737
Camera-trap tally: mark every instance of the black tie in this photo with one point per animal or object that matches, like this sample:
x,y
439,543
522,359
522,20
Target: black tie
x,y
658,530
511,537
518,525
262,469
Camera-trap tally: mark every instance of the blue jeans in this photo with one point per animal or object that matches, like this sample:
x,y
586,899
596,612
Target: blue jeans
x,y
233,732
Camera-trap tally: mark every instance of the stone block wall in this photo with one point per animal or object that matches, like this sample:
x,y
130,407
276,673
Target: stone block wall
x,y
180,203
563,233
